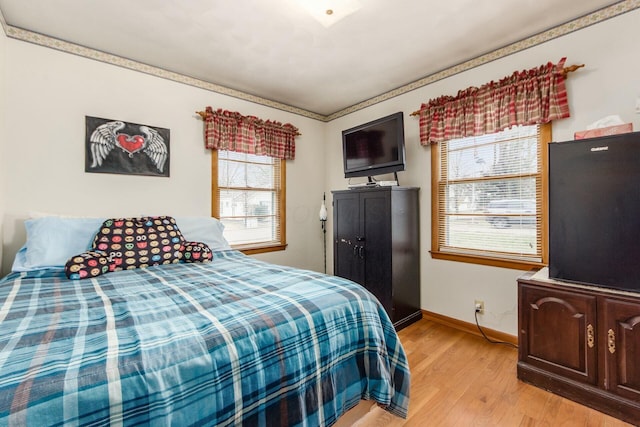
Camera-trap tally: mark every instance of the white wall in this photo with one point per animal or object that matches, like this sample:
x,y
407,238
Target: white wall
x,y
3,62
47,97
609,84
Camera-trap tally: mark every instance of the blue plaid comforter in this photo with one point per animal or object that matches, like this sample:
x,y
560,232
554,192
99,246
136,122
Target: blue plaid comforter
x,y
233,342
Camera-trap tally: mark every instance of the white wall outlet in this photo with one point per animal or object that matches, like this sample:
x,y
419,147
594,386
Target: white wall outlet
x,y
638,105
479,306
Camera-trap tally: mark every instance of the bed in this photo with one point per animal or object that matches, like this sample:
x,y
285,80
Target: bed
x,y
235,341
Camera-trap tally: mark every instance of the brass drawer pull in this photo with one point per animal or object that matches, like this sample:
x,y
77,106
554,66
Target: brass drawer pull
x,y
611,342
590,337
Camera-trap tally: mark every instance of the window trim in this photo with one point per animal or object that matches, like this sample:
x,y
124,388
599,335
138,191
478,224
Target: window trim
x,y
545,139
257,248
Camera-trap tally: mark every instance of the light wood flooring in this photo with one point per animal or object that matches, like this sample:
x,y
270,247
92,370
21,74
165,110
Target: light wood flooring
x,y
459,379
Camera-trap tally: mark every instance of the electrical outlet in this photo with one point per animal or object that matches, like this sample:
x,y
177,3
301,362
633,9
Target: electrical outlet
x,y
479,305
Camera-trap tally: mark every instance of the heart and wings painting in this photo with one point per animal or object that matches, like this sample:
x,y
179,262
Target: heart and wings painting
x,y
115,146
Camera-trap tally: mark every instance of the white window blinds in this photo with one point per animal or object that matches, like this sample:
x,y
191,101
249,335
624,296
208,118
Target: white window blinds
x,y
249,198
490,195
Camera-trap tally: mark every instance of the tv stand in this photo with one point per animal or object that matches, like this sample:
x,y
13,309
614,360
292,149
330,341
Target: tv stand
x,y
372,181
580,342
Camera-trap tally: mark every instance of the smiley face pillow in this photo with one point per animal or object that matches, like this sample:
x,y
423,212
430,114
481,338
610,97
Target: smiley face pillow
x,y
128,243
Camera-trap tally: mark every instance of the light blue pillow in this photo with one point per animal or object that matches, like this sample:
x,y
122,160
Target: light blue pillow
x,y
20,261
52,240
203,229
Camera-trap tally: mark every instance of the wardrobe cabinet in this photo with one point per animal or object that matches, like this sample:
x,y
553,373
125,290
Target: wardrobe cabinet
x,y
581,342
376,243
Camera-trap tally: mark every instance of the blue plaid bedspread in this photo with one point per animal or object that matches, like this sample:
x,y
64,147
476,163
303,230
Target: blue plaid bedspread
x,y
234,342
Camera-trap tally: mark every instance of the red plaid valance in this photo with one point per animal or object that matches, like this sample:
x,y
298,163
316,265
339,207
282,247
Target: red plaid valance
x,y
524,98
227,130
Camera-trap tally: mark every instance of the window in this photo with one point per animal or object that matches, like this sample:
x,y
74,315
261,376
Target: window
x,y
489,198
249,199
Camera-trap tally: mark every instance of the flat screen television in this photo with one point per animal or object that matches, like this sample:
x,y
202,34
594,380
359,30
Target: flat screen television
x,y
594,211
374,148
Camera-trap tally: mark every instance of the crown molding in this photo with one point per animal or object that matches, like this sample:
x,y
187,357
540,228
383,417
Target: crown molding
x,y
559,31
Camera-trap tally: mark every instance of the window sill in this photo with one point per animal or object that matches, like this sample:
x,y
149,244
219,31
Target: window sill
x,y
494,262
259,249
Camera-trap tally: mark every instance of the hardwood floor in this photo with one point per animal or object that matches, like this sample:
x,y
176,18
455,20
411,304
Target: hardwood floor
x,y
459,379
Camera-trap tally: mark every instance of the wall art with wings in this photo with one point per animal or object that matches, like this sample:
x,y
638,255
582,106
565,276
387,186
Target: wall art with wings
x,y
114,146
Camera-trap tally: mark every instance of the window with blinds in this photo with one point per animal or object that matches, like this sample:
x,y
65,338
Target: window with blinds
x,y
489,197
249,199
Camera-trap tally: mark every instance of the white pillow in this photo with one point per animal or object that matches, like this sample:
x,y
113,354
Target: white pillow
x,y
52,240
203,229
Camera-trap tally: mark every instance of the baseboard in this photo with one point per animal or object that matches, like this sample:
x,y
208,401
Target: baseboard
x,y
470,328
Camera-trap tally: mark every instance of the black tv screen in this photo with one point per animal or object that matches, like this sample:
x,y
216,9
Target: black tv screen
x,y
374,148
594,211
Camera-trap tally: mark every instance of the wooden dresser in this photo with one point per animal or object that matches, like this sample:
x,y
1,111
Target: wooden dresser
x,y
581,342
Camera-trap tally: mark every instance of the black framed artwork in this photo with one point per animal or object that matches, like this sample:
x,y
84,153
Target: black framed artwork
x,y
118,147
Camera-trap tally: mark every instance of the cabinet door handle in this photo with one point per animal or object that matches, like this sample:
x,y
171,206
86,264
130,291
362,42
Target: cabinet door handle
x,y
590,336
361,252
355,250
611,341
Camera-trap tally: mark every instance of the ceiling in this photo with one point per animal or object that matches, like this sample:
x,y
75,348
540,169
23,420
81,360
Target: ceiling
x,y
277,51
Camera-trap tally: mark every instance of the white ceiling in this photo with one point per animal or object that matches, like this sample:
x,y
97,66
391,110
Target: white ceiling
x,y
275,50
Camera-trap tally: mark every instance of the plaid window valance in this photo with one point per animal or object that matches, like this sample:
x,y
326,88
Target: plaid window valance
x,y
227,130
524,98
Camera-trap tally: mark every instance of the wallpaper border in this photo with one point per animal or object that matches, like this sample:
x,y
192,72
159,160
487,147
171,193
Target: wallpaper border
x,y
561,30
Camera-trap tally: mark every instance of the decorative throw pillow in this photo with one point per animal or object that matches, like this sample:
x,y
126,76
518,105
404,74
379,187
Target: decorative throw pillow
x,y
88,264
128,243
196,252
140,242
